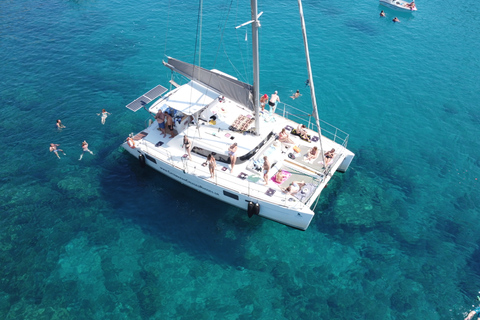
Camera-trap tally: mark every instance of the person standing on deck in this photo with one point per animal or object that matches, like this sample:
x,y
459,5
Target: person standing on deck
x,y
273,102
232,150
160,116
266,169
263,101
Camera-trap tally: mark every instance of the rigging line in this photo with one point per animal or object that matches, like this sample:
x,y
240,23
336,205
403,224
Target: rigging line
x,y
166,31
222,34
240,50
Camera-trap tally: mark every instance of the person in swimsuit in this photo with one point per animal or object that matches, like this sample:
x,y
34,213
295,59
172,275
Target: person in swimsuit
x,y
329,155
382,14
231,152
169,124
85,149
472,313
294,187
283,137
312,154
266,169
59,124
296,95
53,147
396,19
273,101
212,163
302,132
103,115
187,144
160,116
280,176
263,100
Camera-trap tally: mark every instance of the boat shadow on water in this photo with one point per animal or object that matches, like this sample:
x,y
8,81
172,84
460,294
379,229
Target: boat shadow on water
x,y
165,209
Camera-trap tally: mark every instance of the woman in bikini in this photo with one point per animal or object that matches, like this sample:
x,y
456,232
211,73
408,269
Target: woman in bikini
x,y
312,154
104,114
283,137
212,163
329,155
187,144
231,153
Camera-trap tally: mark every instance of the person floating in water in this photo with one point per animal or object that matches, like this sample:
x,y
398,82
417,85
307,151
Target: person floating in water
x,y
295,95
59,124
474,312
307,83
396,19
53,148
104,114
85,149
382,14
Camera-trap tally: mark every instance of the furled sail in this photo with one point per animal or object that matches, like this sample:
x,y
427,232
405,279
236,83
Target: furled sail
x,y
236,90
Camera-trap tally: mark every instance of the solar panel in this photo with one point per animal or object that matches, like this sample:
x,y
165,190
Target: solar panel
x,y
154,93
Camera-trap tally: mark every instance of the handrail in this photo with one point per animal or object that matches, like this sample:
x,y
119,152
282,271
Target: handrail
x,y
328,130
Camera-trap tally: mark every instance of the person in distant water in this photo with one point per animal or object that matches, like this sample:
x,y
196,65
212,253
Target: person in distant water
x,y
263,101
266,169
104,114
307,82
60,125
473,313
169,124
273,101
232,150
85,149
396,19
212,163
296,95
382,14
53,147
160,116
187,144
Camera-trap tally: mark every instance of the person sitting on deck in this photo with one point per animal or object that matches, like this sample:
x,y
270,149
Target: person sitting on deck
x,y
313,153
283,137
329,156
302,132
294,187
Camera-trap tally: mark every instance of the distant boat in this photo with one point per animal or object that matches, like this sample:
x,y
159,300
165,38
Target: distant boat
x,y
399,5
214,111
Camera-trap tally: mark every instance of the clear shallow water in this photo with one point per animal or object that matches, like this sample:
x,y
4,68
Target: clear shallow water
x,y
395,237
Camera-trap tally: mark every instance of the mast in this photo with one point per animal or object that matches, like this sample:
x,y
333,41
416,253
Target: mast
x,y
310,78
256,68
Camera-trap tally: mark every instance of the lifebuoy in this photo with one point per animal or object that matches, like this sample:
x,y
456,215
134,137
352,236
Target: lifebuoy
x,y
131,143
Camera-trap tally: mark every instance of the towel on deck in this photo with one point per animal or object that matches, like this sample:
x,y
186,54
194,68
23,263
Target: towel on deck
x,y
286,176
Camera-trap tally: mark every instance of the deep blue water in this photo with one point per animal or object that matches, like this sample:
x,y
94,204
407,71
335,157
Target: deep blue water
x,y
395,237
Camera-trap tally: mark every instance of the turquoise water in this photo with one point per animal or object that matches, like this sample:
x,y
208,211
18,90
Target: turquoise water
x,y
396,237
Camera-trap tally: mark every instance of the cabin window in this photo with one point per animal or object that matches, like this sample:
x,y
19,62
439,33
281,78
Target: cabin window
x,y
231,195
150,158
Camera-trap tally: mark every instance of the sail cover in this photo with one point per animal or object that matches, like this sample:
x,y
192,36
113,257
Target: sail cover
x,y
236,90
146,98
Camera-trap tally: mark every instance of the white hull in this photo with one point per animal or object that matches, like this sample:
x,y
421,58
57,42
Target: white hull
x,y
198,178
398,5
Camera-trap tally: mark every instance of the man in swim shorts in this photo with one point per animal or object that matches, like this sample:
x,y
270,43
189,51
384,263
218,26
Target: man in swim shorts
x,y
160,116
53,147
273,101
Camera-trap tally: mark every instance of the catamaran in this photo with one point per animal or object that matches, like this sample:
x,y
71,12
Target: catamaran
x,y
213,111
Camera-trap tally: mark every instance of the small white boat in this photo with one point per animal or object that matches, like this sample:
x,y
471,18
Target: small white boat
x,y
399,5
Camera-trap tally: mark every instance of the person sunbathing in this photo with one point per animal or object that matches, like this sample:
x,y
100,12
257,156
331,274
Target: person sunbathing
x,y
329,156
283,137
313,154
302,132
280,176
294,187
